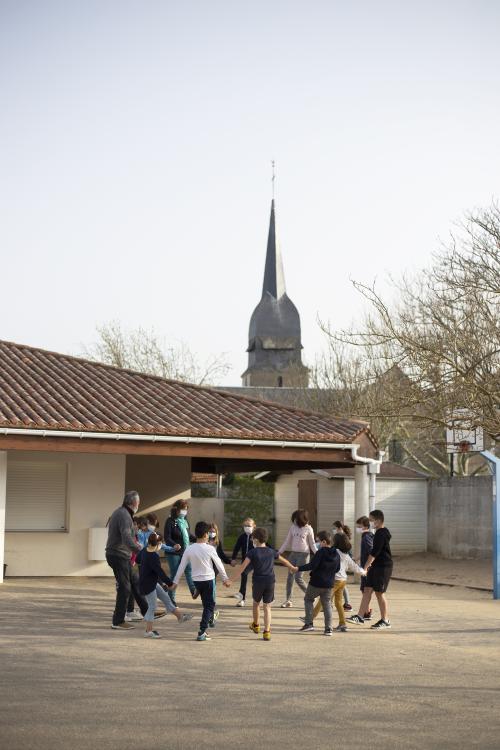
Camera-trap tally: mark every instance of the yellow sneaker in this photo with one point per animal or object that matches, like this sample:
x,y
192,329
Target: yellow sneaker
x,y
254,627
267,635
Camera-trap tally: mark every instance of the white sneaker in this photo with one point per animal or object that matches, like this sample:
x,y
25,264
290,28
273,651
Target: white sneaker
x,y
287,604
133,617
238,596
241,603
152,634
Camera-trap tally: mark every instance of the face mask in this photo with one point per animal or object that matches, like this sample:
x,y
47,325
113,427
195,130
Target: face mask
x,y
211,534
359,530
151,528
183,513
373,527
248,529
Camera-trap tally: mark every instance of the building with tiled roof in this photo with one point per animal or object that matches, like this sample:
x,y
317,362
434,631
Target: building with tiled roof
x,y
74,435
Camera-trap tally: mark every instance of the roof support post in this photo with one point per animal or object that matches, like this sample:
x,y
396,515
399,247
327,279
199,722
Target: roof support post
x,y
361,499
3,502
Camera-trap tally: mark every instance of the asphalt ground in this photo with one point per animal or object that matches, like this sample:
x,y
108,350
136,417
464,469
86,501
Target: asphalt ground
x,y
70,682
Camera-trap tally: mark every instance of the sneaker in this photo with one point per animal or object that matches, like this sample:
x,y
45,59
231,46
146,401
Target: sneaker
x,y
152,634
347,607
328,631
367,615
381,625
287,604
133,617
211,623
185,617
238,596
341,628
159,613
254,627
356,619
266,635
123,626
307,627
241,603
203,637
216,615
195,594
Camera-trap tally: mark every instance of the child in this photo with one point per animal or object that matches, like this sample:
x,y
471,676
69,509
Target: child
x,y
379,571
214,541
340,528
363,528
150,574
323,566
202,557
343,547
300,542
244,544
261,558
143,532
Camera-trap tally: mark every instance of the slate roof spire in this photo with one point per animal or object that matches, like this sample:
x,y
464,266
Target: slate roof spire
x,y
274,277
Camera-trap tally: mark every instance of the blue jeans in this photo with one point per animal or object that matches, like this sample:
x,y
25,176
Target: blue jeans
x,y
174,561
161,594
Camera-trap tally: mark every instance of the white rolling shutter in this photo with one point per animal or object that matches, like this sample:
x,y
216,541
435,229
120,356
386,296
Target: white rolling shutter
x,y
36,496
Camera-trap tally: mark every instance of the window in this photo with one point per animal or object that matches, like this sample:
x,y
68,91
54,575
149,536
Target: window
x,y
36,496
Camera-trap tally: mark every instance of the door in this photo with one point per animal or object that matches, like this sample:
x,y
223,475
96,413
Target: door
x,y
308,499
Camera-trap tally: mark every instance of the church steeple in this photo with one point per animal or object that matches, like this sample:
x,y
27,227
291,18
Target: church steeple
x,y
274,345
274,277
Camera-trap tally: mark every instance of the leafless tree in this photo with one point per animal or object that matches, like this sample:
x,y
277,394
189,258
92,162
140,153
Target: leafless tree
x,y
415,361
144,351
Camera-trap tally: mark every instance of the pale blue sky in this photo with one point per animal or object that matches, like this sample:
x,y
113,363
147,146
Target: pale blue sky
x,y
136,147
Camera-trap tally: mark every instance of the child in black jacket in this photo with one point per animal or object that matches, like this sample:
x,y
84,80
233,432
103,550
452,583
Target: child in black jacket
x,y
244,544
150,575
323,566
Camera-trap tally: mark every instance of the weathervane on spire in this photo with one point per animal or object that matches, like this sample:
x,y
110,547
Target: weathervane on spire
x,y
273,178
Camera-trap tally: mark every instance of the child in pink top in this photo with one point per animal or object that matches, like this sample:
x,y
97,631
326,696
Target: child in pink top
x,y
300,543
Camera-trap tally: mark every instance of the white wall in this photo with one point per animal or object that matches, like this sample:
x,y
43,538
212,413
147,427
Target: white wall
x,y
404,504
96,486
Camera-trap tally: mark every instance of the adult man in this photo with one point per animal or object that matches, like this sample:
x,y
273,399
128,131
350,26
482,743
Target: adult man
x,y
120,546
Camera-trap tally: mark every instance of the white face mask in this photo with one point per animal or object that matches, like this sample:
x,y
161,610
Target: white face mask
x,y
373,527
248,529
183,513
359,530
151,528
211,534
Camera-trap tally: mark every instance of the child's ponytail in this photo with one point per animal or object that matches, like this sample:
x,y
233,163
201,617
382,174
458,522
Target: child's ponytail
x,y
154,539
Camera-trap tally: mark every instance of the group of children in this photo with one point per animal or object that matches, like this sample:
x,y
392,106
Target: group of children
x,y
329,564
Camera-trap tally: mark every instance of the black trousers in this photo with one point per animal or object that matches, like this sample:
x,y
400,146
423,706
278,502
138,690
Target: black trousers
x,y
127,582
243,584
206,591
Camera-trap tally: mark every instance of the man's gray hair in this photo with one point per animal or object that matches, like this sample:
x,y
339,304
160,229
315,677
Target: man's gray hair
x,y
131,498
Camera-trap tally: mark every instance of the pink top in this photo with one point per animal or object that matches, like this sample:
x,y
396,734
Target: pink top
x,y
299,539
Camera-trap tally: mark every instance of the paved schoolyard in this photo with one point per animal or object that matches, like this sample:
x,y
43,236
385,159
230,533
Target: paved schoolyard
x,y
70,682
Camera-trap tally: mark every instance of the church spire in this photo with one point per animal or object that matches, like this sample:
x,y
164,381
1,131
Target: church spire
x,y
274,277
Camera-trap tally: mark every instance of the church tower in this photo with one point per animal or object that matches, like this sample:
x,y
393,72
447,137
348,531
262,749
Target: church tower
x,y
274,343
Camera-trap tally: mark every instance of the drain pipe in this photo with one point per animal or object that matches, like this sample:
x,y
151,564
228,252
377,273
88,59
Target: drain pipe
x,y
373,469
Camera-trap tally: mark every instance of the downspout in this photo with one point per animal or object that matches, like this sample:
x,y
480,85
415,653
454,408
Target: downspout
x,y
373,469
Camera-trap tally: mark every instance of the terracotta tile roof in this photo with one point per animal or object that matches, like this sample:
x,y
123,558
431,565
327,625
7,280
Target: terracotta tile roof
x,y
199,478
388,470
46,390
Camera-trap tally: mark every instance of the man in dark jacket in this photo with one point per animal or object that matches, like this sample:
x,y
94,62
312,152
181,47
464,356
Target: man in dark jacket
x,y
120,546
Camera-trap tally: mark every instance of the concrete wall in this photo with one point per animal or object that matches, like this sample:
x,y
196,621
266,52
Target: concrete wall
x,y
460,517
95,488
160,481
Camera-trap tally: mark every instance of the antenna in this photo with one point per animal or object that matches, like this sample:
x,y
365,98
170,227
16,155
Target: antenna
x,y
273,178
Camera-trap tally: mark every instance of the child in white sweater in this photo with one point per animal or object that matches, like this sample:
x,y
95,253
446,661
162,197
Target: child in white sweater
x,y
342,545
300,543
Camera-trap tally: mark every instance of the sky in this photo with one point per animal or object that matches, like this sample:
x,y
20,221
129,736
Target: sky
x,y
136,141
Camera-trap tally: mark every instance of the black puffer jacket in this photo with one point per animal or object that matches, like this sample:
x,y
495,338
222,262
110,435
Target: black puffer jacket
x,y
172,535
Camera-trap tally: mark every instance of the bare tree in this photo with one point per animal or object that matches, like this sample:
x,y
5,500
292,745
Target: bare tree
x,y
415,361
144,351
